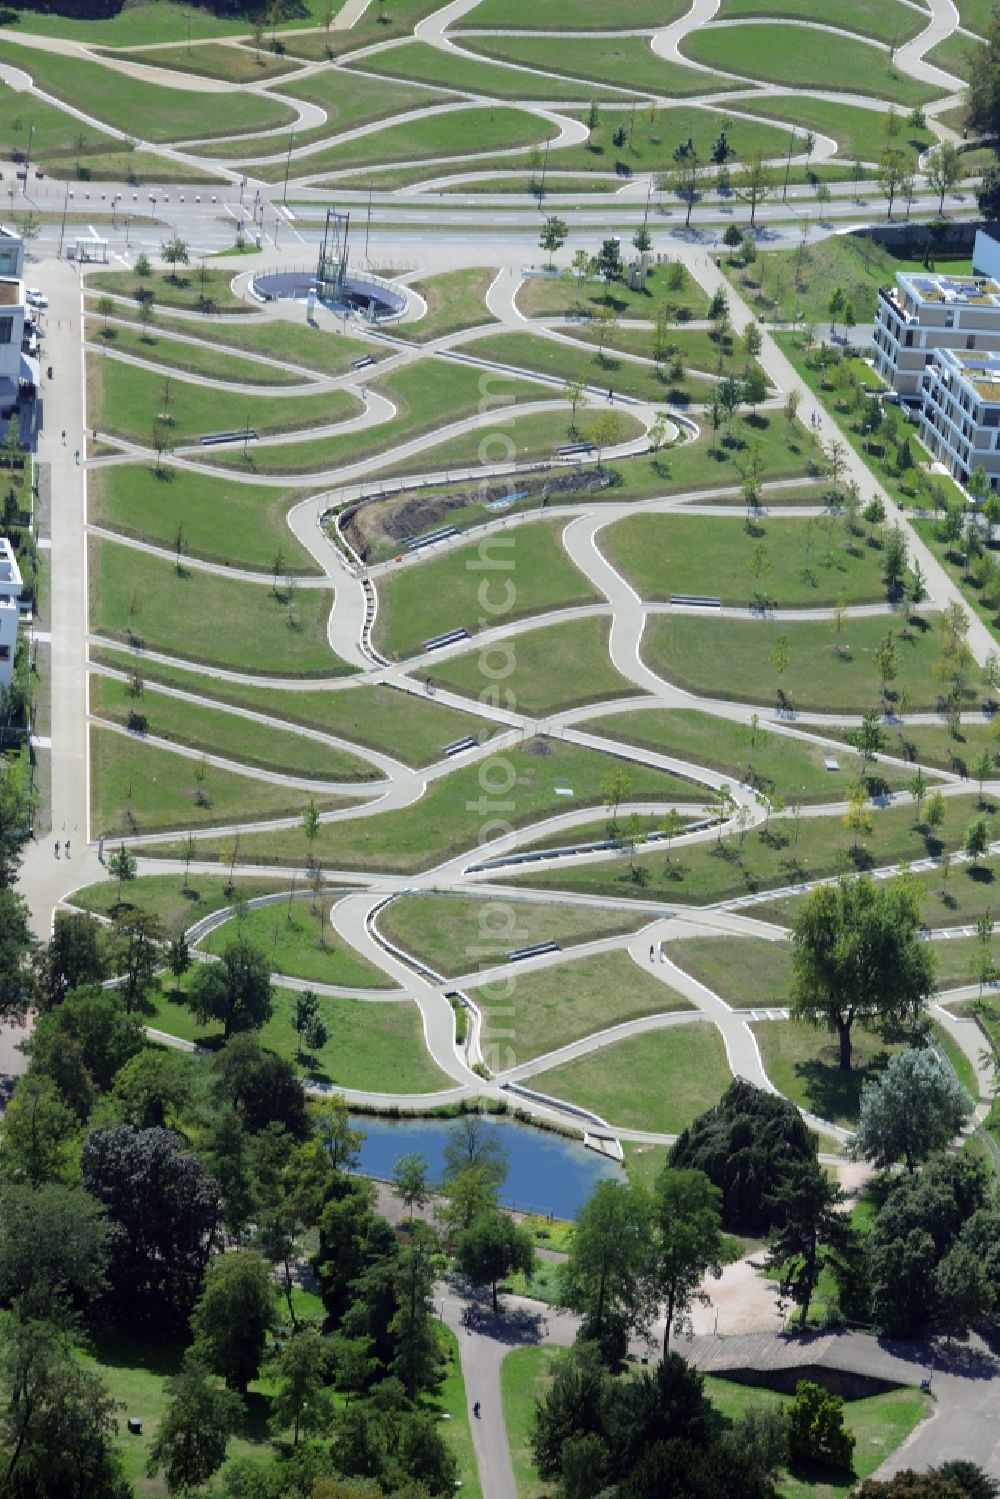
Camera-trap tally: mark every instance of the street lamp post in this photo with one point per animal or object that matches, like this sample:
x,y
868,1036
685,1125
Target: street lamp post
x,y
27,158
288,161
788,166
368,221
277,226
62,227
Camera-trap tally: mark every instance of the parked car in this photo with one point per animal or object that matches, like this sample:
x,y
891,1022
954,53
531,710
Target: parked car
x,y
36,298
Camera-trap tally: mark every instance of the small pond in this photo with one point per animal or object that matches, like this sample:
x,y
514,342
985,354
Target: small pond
x,y
548,1173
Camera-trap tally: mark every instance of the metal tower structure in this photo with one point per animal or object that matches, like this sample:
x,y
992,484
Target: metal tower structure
x,y
331,268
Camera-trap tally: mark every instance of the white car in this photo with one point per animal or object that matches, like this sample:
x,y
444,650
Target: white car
x,y
36,298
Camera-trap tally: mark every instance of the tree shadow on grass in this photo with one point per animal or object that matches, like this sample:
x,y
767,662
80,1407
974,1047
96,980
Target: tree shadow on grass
x,y
829,1091
122,1350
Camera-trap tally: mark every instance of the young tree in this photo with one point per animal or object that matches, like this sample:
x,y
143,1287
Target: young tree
x,y
576,394
814,1233
608,264
964,1293
553,236
910,1111
687,1211
869,740
606,1277
411,1181
593,120
977,839
235,990
857,956
616,788
491,1247
233,1316
918,790
753,184
175,252
122,867
191,1440
604,432
893,168
38,1134
136,940
686,177
105,310
944,171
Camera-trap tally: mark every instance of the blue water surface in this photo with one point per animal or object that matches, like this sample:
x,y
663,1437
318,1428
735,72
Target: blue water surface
x,y
548,1173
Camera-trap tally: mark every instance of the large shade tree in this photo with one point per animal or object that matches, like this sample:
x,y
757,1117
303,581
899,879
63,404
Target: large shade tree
x,y
857,957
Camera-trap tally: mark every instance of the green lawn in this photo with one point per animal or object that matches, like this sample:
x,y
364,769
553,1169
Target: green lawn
x,y
698,347
673,284
653,133
571,15
158,21
209,619
459,132
524,1379
795,563
801,1062
232,64
293,344
658,1081
350,101
749,973
155,112
567,360
710,872
201,359
858,130
140,788
730,658
553,668
803,57
227,735
136,1369
446,592
936,745
885,20
644,1162
220,519
55,134
426,64
788,764
454,810
535,435
456,934
372,1047
955,565
958,961
396,20
427,394
455,300
968,892
976,14
289,932
799,282
413,729
201,290
165,896
531,1014
141,167
626,61
954,55
127,401
880,1423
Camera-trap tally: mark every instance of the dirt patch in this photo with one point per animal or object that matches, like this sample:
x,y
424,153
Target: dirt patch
x,y
382,522
540,745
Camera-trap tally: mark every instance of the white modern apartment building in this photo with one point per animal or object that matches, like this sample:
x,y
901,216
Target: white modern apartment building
x,y
10,609
924,313
960,412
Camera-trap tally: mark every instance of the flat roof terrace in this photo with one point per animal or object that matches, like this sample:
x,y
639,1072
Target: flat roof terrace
x,y
10,293
974,290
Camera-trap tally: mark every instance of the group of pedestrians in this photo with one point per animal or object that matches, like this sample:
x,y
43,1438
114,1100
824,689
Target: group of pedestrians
x,y
65,848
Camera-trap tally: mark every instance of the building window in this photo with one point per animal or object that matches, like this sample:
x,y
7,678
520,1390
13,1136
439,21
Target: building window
x,y
970,342
4,652
6,329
